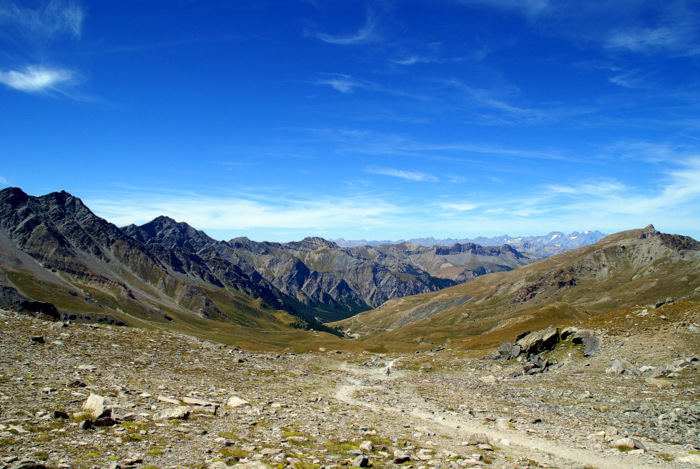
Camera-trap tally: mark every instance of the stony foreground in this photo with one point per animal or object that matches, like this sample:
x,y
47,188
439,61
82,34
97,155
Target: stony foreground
x,y
100,396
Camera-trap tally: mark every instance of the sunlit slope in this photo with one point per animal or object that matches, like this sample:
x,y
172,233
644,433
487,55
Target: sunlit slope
x,y
630,268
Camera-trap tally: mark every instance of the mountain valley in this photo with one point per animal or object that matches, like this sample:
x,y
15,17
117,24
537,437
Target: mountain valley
x,y
587,358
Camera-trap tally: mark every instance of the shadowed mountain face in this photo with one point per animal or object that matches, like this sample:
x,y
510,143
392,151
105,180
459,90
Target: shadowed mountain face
x,y
624,270
53,249
56,250
333,282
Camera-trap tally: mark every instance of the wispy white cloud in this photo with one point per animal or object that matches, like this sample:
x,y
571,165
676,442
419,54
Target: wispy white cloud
x,y
645,39
241,213
344,83
399,173
630,79
366,34
37,28
56,17
649,152
673,204
36,79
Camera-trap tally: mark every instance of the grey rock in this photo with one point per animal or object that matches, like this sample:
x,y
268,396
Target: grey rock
x,y
581,334
508,351
478,439
632,443
361,461
86,424
105,422
235,401
591,344
401,457
539,341
367,446
179,413
568,332
616,368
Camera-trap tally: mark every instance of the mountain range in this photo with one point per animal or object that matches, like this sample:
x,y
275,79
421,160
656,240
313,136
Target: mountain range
x,y
552,243
56,252
627,270
59,259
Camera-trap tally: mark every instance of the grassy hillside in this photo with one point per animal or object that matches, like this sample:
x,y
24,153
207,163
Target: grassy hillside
x,y
632,268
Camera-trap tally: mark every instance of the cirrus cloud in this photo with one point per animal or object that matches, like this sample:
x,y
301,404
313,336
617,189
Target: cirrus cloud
x,y
399,173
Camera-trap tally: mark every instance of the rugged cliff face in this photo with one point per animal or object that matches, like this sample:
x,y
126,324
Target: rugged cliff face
x,y
336,282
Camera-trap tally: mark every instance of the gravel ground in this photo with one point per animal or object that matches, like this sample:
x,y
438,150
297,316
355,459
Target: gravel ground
x,y
171,403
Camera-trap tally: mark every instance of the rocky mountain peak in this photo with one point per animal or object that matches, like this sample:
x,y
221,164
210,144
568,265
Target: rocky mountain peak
x,y
313,243
170,233
14,196
648,231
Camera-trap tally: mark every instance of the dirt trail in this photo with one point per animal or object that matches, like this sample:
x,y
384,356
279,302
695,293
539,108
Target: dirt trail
x,y
512,443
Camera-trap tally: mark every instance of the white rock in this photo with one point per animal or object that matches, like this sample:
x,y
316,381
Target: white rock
x,y
234,401
94,404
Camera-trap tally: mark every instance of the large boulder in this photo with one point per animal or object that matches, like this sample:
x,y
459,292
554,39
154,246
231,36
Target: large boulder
x,y
590,345
539,341
508,351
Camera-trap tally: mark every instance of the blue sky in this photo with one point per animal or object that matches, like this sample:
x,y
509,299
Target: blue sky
x,y
278,120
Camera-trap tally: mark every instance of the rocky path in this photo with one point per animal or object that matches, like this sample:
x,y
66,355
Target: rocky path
x,y
516,443
161,400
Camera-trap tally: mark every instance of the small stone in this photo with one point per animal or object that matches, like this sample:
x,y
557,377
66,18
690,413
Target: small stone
x,y
60,414
503,424
401,457
86,424
169,400
479,439
235,401
361,461
367,446
616,368
105,422
632,443
37,339
179,413
95,405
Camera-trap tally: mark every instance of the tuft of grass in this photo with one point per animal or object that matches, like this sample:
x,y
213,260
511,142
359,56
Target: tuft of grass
x,y
340,447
